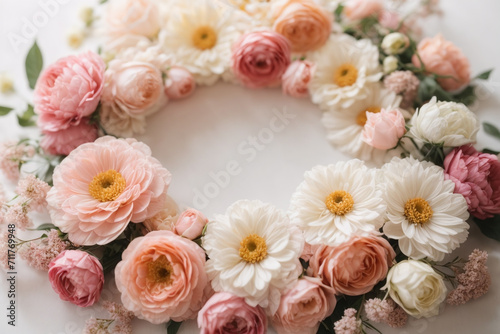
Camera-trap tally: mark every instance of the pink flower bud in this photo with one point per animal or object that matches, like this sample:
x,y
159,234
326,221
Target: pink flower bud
x,y
179,84
384,129
297,77
190,224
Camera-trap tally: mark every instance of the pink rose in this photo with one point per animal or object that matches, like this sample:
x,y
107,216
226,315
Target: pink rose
x,y
384,129
354,267
308,251
64,141
162,277
389,19
305,24
297,77
359,9
304,306
444,58
132,17
180,83
227,313
68,91
260,58
190,224
477,177
77,277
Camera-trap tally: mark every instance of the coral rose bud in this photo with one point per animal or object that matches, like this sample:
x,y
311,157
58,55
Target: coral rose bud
x,y
297,77
384,129
190,224
180,83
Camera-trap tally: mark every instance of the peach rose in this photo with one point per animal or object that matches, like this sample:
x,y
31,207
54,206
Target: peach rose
x,y
384,129
295,81
190,224
64,141
305,24
166,218
444,58
359,9
132,17
304,306
354,267
180,83
162,277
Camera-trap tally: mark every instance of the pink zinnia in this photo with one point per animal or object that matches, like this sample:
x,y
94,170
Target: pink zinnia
x,y
102,186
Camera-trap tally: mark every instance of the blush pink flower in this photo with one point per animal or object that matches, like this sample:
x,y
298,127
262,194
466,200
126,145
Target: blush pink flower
x,y
100,187
68,91
295,81
77,277
34,190
304,306
359,9
477,177
190,224
442,57
162,277
180,83
389,19
260,58
384,129
227,313
64,141
354,267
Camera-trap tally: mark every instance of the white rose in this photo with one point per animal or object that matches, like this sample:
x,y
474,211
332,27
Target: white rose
x,y
136,17
390,64
395,43
449,123
416,287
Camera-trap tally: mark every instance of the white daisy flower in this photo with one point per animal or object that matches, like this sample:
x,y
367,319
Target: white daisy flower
x,y
200,34
424,214
254,253
337,201
345,125
345,67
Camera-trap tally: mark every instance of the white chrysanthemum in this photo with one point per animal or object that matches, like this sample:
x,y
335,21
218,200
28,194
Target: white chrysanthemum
x,y
424,214
345,67
345,125
253,253
337,201
259,10
200,34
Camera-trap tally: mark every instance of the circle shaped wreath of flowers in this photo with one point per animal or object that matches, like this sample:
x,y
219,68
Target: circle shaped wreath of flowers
x,y
348,226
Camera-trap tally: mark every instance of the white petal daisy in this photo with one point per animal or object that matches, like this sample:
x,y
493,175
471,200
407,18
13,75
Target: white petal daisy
x,y
337,201
345,125
254,253
200,34
424,214
344,69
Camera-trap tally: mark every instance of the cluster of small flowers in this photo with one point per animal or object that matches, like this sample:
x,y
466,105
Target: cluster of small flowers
x,y
386,311
39,254
12,155
349,323
120,318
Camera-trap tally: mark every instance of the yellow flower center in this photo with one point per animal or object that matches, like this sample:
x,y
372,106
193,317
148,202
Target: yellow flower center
x,y
107,186
418,211
160,271
253,249
361,118
339,202
345,75
204,37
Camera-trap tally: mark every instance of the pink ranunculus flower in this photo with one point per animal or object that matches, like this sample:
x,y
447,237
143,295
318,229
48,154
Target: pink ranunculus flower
x,y
304,306
62,142
190,224
304,23
359,9
162,277
444,58
68,91
180,83
295,81
102,186
384,129
227,313
260,58
477,177
77,277
354,267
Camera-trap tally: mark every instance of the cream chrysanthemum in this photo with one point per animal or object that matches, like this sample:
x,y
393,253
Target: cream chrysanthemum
x,y
200,34
345,125
345,67
337,201
253,253
423,213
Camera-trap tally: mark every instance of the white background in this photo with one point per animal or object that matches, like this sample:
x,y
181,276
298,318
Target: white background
x,y
199,136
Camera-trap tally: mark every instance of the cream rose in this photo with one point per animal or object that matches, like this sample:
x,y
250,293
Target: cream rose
x,y
416,287
449,123
132,17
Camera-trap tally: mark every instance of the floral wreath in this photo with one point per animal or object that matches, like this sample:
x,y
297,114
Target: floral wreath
x,y
357,246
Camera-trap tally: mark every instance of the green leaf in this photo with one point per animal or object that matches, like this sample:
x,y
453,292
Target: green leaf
x,y
491,130
490,227
5,110
467,96
46,227
485,75
338,12
173,327
34,65
487,150
26,119
103,1
427,89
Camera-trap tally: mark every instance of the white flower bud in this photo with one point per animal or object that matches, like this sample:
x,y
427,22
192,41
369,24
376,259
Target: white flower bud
x,y
395,43
75,37
6,83
390,64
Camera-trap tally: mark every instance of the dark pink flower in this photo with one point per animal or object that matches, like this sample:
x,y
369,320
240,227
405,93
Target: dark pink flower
x,y
62,142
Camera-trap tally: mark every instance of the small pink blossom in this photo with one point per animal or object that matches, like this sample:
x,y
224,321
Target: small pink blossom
x,y
18,214
12,155
378,310
359,9
389,19
404,83
64,141
295,81
180,83
190,224
39,254
384,129
398,317
34,190
348,324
